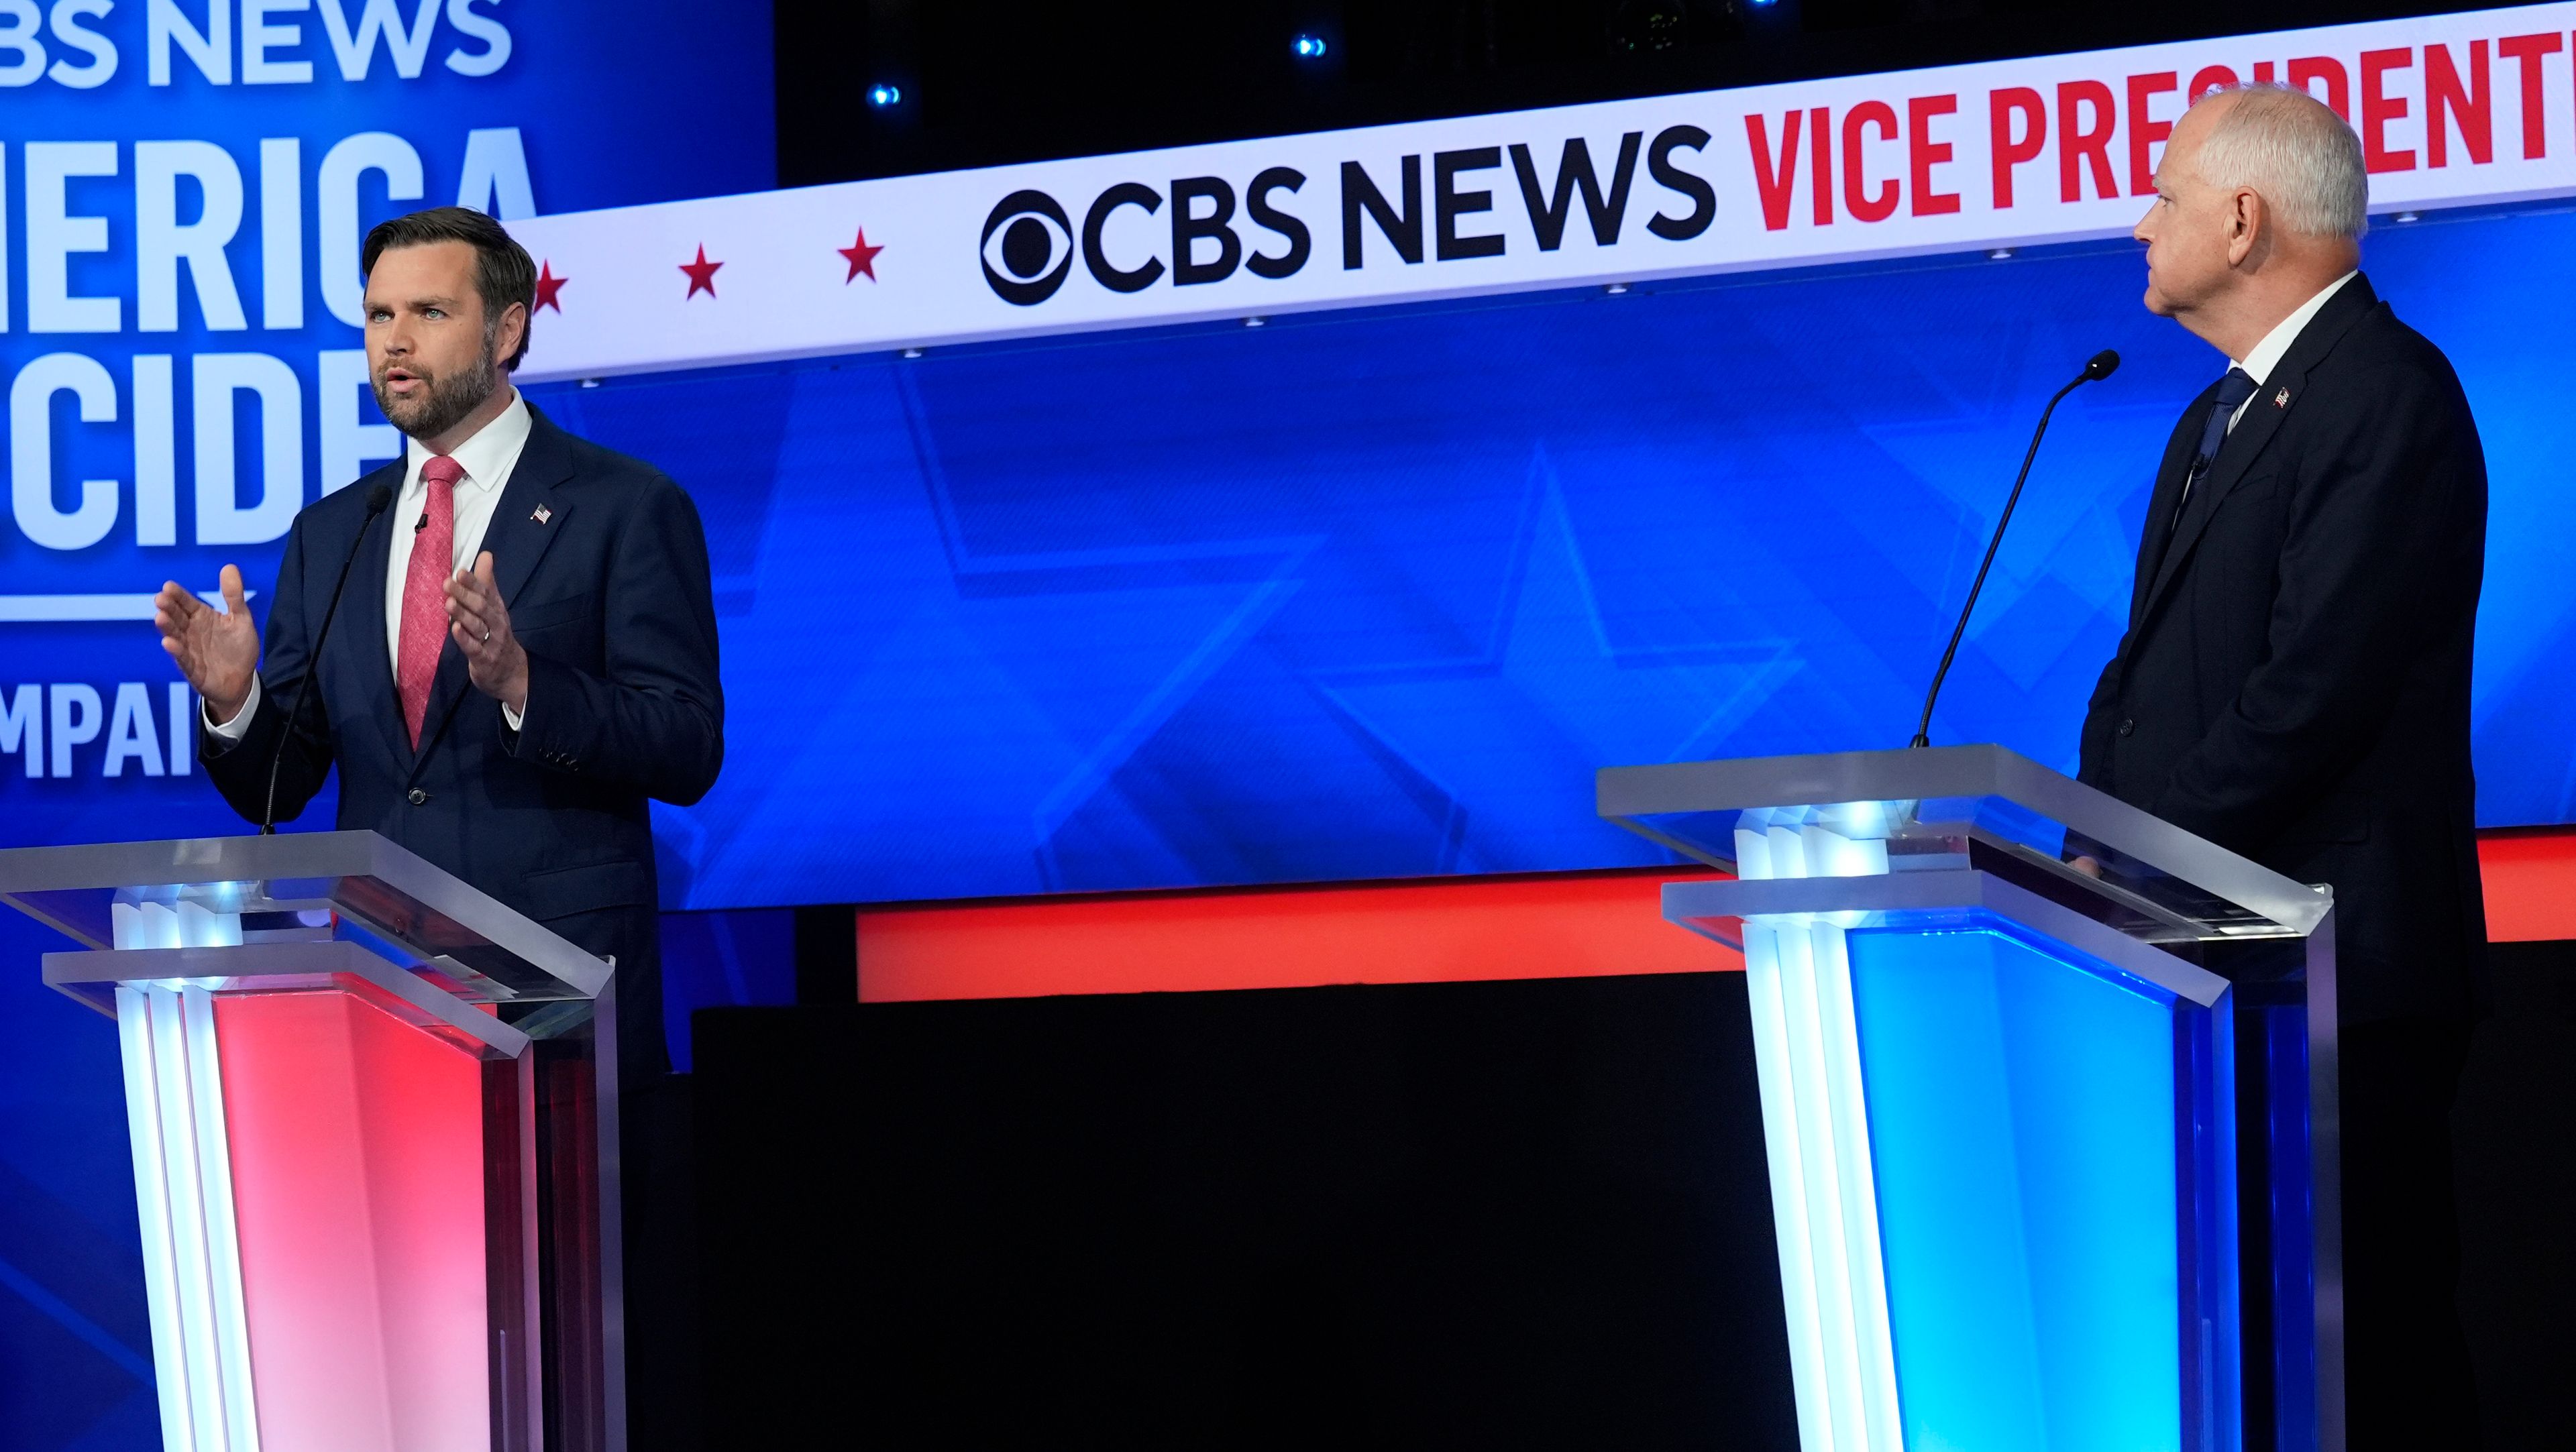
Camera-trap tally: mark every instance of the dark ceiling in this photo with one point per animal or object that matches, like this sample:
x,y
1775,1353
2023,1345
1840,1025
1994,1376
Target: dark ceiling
x,y
987,82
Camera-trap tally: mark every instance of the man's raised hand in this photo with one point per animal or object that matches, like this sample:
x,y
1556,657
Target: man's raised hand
x,y
217,650
480,625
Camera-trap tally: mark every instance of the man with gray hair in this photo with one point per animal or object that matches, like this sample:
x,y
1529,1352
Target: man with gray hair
x,y
2294,683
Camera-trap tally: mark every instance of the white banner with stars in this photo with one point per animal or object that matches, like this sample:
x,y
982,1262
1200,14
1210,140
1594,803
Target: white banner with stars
x,y
2454,110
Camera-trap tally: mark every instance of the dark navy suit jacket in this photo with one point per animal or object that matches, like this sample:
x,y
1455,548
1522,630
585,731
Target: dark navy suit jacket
x,y
608,592
2294,683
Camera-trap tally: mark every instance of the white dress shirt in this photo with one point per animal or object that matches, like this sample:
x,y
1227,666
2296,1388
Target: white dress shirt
x,y
2266,355
488,459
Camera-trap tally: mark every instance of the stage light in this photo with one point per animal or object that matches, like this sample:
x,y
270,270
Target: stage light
x,y
1309,47
882,95
1648,25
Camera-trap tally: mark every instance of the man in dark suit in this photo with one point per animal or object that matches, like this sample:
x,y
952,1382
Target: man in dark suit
x,y
2294,683
526,650
525,656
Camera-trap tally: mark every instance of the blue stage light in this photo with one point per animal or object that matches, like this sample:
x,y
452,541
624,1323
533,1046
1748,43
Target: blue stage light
x,y
884,95
1309,47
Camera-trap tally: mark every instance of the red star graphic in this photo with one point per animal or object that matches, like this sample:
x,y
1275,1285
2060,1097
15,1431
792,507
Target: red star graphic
x,y
702,274
547,286
863,258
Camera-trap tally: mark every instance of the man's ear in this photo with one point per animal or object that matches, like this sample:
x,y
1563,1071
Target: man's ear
x,y
2249,224
512,332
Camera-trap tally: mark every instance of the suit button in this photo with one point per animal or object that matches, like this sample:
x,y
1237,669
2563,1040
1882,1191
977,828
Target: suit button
x,y
2127,726
418,796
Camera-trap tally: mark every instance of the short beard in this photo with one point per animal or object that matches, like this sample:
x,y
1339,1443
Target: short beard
x,y
449,400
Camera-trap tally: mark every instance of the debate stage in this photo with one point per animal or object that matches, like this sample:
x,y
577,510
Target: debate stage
x,y
1526,1210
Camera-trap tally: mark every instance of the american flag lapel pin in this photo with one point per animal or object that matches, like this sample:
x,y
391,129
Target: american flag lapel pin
x,y
543,514
2279,400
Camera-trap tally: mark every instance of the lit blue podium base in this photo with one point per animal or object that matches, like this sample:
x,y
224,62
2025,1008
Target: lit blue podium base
x,y
2037,1164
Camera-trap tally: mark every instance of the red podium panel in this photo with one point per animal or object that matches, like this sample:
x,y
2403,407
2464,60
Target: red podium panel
x,y
358,1198
371,1112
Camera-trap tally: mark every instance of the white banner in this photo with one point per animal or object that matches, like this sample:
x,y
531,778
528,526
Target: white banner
x,y
2452,110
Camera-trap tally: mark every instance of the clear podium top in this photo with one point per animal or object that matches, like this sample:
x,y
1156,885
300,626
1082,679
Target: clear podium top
x,y
1972,806
297,887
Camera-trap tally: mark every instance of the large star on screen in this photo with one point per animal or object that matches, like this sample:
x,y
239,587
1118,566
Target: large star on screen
x,y
1515,735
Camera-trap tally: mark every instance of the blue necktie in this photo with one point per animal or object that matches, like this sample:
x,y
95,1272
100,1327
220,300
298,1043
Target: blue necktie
x,y
2233,390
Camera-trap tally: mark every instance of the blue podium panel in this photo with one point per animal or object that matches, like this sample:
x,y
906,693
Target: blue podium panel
x,y
2006,1031
2003,1160
2031,1141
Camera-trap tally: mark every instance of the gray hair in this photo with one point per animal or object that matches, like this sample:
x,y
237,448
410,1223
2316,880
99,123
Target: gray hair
x,y
2295,153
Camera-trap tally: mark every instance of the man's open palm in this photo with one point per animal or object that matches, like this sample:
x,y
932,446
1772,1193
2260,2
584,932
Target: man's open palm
x,y
217,650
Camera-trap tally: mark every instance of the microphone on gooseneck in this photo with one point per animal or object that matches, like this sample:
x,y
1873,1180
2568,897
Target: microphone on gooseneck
x,y
379,499
2101,365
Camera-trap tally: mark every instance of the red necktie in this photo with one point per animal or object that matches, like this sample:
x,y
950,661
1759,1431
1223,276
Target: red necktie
x,y
424,608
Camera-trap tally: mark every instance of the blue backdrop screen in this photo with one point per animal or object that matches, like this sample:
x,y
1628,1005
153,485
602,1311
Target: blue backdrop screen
x,y
1373,593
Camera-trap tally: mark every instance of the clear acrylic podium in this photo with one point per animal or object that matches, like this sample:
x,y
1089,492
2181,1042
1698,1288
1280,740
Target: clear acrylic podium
x,y
374,1123
2051,1142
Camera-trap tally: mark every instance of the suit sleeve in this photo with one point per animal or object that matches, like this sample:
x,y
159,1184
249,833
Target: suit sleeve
x,y
2385,530
2093,748
655,721
239,769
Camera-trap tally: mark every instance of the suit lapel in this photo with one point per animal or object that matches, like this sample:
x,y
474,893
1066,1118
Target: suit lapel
x,y
2263,417
520,533
2158,533
517,539
2243,445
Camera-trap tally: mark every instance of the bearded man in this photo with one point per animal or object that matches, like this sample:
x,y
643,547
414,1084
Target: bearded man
x,y
526,649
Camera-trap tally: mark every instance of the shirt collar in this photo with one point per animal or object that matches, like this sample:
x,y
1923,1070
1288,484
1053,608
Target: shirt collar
x,y
487,455
2266,355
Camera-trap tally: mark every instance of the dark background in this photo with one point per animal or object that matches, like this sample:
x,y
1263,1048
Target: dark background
x,y
1511,1214
1011,81
1425,1215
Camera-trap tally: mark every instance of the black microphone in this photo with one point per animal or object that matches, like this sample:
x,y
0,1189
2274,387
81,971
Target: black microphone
x,y
2101,365
379,499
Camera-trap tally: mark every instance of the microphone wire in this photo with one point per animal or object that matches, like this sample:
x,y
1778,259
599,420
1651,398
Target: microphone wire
x,y
379,499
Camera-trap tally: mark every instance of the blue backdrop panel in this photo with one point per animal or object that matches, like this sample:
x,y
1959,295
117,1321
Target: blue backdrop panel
x,y
1373,593
75,1350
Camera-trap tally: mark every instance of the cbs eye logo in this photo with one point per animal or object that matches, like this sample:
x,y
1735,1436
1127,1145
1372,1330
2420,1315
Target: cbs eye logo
x,y
1028,248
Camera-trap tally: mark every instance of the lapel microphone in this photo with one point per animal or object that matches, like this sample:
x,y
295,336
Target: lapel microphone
x,y
2100,365
379,499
